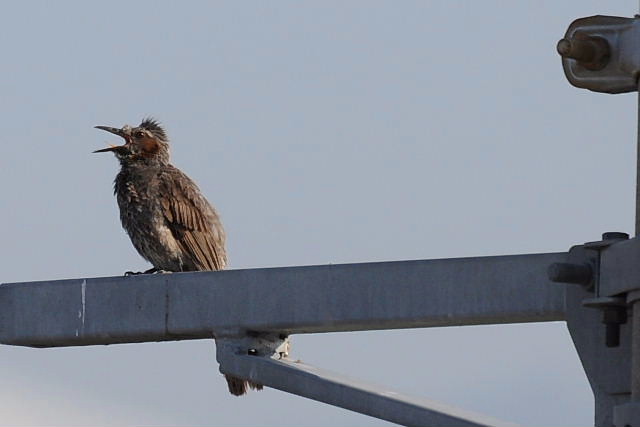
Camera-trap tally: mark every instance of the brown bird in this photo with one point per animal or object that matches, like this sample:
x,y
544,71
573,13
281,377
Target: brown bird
x,y
170,223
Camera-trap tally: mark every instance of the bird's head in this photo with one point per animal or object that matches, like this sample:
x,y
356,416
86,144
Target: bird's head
x,y
146,143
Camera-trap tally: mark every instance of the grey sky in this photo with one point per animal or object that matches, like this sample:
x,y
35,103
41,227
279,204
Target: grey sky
x,y
324,132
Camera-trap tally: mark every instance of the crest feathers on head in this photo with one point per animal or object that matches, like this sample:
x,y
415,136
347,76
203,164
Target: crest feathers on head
x,y
154,126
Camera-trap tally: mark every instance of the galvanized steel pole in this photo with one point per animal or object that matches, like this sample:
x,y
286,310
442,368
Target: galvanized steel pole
x,y
633,298
637,229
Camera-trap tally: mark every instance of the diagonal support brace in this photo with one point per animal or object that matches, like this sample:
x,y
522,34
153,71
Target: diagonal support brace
x,y
335,389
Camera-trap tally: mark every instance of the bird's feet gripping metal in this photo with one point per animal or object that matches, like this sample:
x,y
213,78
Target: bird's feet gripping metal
x,y
132,273
149,271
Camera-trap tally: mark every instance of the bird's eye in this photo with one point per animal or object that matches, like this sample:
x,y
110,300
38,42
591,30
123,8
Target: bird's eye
x,y
139,134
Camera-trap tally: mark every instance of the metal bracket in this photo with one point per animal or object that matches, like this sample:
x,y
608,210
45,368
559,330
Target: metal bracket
x,y
583,268
272,345
596,266
614,309
602,53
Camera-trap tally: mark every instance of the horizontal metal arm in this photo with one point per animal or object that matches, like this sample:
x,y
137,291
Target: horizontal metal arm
x,y
289,300
338,390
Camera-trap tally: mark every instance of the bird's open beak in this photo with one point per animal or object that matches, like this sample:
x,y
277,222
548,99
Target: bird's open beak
x,y
114,131
109,148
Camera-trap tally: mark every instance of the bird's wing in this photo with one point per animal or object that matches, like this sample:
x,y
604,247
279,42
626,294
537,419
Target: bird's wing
x,y
192,220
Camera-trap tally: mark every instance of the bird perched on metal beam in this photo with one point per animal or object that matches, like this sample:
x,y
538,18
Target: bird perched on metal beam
x,y
170,223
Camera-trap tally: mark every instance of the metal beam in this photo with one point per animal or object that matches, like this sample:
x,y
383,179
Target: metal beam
x,y
337,390
289,300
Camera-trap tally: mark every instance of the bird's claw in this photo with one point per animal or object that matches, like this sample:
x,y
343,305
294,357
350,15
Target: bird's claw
x,y
156,271
149,271
132,273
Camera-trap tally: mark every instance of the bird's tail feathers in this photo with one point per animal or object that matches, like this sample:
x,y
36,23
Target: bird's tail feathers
x,y
238,386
